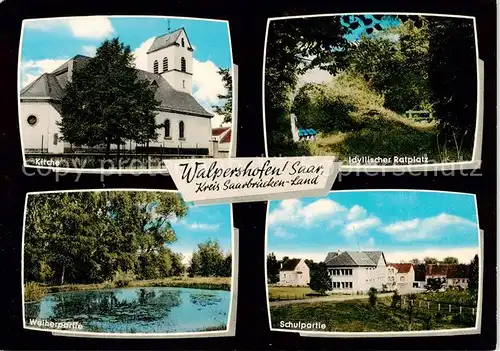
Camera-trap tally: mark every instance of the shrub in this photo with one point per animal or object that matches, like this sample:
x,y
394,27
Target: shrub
x,y
123,279
372,296
33,292
396,300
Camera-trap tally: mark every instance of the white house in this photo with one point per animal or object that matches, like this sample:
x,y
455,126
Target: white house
x,y
454,275
294,272
402,275
186,125
356,271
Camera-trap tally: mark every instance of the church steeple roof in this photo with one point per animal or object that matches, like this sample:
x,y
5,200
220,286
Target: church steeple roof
x,y
166,40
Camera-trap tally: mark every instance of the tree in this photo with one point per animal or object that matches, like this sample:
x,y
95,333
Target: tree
x,y
453,79
86,237
396,300
273,269
106,103
209,261
450,260
435,284
372,296
319,279
414,261
473,285
290,44
430,260
226,109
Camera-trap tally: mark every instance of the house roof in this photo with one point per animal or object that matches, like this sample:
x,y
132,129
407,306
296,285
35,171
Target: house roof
x,y
290,264
458,271
353,258
219,131
226,138
434,269
166,40
51,86
401,267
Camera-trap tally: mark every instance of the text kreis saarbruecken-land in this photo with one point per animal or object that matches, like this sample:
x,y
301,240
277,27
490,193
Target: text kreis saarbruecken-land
x,y
216,178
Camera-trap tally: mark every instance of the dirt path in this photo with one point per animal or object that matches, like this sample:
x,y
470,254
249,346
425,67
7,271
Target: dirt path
x,y
324,299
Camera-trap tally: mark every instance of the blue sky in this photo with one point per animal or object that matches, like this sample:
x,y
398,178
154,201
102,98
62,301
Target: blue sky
x,y
404,224
47,44
201,224
355,34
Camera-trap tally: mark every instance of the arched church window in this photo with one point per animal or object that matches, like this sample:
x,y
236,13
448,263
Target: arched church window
x,y
167,129
182,42
184,84
183,64
32,120
181,130
165,64
155,66
56,138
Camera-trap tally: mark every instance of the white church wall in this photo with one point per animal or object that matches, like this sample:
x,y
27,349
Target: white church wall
x,y
197,131
45,126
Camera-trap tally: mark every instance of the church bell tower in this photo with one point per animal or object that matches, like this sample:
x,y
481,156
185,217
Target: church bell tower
x,y
171,56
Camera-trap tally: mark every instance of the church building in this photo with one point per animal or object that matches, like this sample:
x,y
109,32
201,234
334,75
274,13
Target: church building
x,y
186,125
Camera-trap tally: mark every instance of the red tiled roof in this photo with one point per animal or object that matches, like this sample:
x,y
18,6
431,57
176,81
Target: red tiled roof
x,y
226,138
433,269
219,131
401,267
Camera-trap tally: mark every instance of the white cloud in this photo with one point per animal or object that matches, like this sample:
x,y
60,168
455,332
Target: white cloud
x,y
417,228
292,212
207,81
202,226
356,212
361,226
141,56
91,27
30,70
282,233
89,50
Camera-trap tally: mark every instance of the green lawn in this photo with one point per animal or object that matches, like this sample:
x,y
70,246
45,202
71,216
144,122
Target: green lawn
x,y
289,292
359,316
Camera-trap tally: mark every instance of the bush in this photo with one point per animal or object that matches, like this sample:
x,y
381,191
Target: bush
x,y
33,292
372,296
123,279
396,300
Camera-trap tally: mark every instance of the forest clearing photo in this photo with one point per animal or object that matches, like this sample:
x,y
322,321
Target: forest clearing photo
x,y
381,89
127,262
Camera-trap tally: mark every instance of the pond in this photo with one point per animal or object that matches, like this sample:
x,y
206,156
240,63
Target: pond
x,y
135,310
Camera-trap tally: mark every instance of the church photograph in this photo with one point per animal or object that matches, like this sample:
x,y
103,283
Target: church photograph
x,y
124,92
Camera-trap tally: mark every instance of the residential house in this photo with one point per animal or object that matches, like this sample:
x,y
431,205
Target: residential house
x,y
403,275
458,276
221,138
294,272
356,271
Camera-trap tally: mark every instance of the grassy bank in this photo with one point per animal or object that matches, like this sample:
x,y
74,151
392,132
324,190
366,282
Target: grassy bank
x,y
34,292
353,121
359,316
